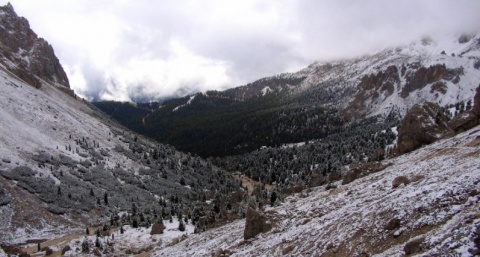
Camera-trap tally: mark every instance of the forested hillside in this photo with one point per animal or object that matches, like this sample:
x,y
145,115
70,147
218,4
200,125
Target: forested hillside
x,y
314,103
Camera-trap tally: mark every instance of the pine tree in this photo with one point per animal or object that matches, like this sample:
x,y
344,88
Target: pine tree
x,y
97,243
85,246
273,198
105,198
134,209
181,226
216,208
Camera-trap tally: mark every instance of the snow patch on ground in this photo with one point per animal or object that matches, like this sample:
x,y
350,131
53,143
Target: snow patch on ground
x,y
266,90
183,105
135,240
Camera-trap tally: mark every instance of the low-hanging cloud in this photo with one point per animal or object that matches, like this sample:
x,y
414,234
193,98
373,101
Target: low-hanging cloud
x,y
131,50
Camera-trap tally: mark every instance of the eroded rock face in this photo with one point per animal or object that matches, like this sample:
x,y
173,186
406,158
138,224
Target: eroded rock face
x,y
423,124
373,87
424,76
383,82
255,224
25,54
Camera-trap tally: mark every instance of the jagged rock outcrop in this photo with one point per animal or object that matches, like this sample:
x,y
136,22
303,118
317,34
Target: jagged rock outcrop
x,y
372,87
157,228
382,82
423,124
424,76
26,55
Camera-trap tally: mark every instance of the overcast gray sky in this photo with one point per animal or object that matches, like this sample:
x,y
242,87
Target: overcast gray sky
x,y
132,49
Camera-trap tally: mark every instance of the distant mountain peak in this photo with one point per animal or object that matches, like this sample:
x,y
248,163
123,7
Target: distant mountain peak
x,y
9,6
22,52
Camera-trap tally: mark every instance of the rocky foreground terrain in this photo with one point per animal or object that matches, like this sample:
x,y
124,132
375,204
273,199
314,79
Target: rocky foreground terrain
x,y
423,203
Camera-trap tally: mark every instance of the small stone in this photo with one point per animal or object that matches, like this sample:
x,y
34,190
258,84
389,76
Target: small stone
x,y
393,224
399,181
414,246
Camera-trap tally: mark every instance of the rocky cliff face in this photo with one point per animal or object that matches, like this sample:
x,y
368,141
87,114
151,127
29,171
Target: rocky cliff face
x,y
26,55
422,125
426,123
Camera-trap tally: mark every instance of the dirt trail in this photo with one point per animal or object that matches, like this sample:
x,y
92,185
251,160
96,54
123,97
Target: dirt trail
x,y
144,254
250,184
247,182
61,242
58,242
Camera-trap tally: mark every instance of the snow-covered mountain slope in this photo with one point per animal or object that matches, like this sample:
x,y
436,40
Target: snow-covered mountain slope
x,y
38,122
445,71
35,120
434,213
64,165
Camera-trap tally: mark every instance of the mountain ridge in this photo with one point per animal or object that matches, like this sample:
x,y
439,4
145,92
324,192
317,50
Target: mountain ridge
x,y
25,54
385,84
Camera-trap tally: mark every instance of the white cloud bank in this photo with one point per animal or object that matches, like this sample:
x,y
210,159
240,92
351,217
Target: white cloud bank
x,y
143,49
